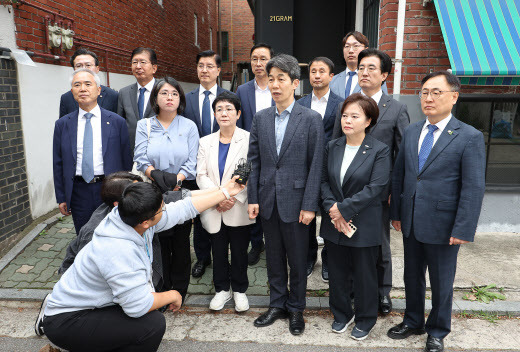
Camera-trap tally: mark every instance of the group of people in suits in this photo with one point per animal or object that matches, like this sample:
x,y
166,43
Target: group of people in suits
x,y
345,151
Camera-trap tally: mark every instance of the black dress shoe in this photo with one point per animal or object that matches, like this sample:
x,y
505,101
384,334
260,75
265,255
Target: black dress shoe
x,y
296,323
434,344
385,304
269,317
324,273
253,256
199,268
402,331
310,267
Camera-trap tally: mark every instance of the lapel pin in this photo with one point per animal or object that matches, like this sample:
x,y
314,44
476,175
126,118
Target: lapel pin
x,y
364,152
367,146
108,123
450,132
101,96
384,105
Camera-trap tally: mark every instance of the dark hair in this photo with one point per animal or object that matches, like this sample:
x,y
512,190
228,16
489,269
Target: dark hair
x,y
83,51
452,80
262,45
360,37
325,60
114,184
160,83
139,202
368,105
209,53
151,54
227,97
386,61
286,63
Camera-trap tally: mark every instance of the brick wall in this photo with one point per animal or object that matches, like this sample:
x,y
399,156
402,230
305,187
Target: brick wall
x,y
423,49
15,212
125,25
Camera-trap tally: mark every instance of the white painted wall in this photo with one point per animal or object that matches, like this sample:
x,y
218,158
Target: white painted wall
x,y
7,36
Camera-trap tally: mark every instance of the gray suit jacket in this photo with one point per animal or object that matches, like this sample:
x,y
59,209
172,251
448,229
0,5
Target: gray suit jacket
x,y
337,85
293,177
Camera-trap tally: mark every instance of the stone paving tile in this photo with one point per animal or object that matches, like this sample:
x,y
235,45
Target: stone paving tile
x,y
45,247
24,269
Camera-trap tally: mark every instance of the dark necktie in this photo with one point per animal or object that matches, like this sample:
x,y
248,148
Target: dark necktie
x,y
206,115
140,102
426,146
349,83
87,163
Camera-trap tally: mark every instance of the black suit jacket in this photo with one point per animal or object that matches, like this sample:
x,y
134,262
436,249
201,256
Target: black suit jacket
x,y
359,195
333,104
107,100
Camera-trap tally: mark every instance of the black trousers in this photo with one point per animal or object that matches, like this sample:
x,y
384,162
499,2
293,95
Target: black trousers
x,y
312,255
384,261
105,329
86,197
257,234
176,257
286,243
201,241
358,263
225,275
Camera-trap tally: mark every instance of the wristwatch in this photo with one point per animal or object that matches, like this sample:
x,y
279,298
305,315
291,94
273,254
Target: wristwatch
x,y
179,183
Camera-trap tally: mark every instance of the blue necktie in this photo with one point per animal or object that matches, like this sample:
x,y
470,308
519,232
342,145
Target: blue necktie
x,y
140,102
426,146
206,115
349,83
87,163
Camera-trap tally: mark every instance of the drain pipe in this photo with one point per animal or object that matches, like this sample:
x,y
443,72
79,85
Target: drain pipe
x,y
399,49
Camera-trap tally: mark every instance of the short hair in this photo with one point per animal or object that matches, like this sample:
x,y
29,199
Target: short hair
x,y
227,97
139,202
452,80
286,63
114,184
155,91
325,60
360,37
96,76
384,58
150,51
368,105
209,53
83,51
262,45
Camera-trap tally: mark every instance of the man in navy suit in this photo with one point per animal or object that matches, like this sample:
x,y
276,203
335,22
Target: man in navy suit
x,y
286,152
107,99
198,109
326,103
437,190
88,144
255,96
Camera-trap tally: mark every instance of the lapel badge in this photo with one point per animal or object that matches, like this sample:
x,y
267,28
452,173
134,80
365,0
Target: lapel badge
x,y
384,105
450,132
108,123
364,151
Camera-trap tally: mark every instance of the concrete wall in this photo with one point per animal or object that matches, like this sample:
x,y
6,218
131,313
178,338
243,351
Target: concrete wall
x,y
500,212
7,37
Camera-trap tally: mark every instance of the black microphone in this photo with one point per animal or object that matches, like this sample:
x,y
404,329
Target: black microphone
x,y
242,170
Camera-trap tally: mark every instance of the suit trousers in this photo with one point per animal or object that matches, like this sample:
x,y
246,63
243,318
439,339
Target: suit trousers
x,y
85,199
225,275
257,235
384,261
201,237
357,263
312,255
441,260
286,243
105,329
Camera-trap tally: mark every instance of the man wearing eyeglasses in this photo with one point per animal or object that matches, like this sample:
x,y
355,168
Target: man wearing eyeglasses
x,y
437,190
107,99
134,100
346,82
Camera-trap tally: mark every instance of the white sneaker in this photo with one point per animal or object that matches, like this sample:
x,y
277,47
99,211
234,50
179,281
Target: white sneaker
x,y
220,299
38,325
241,302
320,240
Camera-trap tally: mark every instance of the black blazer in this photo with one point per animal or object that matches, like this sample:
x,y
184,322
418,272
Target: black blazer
x,y
333,104
359,196
107,99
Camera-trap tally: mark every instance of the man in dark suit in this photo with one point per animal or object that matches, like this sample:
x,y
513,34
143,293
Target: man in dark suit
x,y
88,144
134,100
286,152
255,96
198,109
373,70
326,103
437,190
107,99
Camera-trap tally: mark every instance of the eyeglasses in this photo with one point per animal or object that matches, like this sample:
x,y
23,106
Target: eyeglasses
x,y
354,47
208,67
140,62
262,60
87,66
435,94
368,68
164,94
228,110
161,210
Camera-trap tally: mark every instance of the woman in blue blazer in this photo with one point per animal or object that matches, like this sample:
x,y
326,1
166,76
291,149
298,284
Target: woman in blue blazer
x,y
356,172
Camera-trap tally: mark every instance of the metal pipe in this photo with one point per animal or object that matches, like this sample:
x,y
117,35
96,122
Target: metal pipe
x,y
49,56
399,47
360,4
106,67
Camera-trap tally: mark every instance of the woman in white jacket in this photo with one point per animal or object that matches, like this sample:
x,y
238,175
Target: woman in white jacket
x,y
228,223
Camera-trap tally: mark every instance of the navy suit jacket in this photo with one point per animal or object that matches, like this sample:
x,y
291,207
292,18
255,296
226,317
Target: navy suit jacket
x,y
107,99
116,150
330,112
337,85
293,177
192,111
444,198
246,94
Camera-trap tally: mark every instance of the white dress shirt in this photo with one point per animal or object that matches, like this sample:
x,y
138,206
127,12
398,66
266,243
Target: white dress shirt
x,y
212,96
320,105
147,92
355,80
97,144
441,125
263,98
376,97
348,156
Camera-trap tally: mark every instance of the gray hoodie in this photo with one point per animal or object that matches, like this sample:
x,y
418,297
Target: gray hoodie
x,y
115,267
